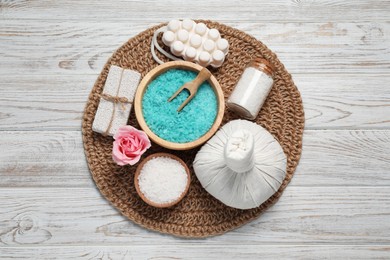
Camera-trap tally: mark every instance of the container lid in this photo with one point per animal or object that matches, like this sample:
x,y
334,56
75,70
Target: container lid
x,y
263,65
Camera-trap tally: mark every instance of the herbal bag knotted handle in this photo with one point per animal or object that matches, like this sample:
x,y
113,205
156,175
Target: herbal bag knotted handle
x,y
239,151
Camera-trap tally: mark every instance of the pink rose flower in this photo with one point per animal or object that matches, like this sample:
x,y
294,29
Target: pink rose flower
x,y
130,143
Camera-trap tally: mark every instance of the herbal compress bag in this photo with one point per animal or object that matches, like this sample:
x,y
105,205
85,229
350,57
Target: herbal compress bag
x,y
242,165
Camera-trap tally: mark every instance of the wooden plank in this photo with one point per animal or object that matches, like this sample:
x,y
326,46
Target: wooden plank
x,y
53,47
344,158
44,102
304,10
199,252
79,216
38,159
329,158
345,101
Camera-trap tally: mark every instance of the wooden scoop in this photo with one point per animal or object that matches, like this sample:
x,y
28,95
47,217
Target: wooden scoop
x,y
192,87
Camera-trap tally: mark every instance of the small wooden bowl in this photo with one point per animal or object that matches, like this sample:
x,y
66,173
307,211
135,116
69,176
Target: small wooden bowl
x,y
138,171
150,77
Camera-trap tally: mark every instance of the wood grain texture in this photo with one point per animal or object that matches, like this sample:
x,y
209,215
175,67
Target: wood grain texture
x,y
161,252
79,216
345,101
329,158
133,11
44,102
68,47
337,205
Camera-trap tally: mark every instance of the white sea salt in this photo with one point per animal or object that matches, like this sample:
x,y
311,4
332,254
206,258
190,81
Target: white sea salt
x,y
162,180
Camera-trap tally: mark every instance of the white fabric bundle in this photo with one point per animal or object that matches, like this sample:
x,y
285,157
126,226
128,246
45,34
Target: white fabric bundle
x,y
242,165
120,83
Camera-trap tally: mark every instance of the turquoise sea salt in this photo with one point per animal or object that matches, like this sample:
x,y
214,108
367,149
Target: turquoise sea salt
x,y
192,122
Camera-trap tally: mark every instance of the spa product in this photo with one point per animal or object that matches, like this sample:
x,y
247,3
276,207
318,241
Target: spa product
x,y
252,89
116,100
162,179
191,87
195,124
192,41
242,165
162,117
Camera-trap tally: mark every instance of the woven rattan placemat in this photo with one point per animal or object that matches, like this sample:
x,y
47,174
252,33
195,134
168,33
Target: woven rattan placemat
x,y
198,214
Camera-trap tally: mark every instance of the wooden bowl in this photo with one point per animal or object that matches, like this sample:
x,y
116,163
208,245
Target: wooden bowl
x,y
150,77
138,171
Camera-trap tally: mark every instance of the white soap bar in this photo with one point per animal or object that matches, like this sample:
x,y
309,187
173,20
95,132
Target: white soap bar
x,y
119,83
195,42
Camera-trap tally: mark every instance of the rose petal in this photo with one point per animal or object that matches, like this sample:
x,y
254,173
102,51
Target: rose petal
x,y
134,160
117,155
136,150
124,131
131,154
119,162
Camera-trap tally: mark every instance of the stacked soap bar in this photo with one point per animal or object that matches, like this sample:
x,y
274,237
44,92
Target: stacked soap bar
x,y
195,42
116,101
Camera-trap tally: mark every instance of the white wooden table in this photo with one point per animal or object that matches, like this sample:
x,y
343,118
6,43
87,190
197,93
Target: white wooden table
x,y
338,203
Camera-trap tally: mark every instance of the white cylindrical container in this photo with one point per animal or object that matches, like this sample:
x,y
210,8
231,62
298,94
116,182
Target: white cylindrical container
x,y
252,89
